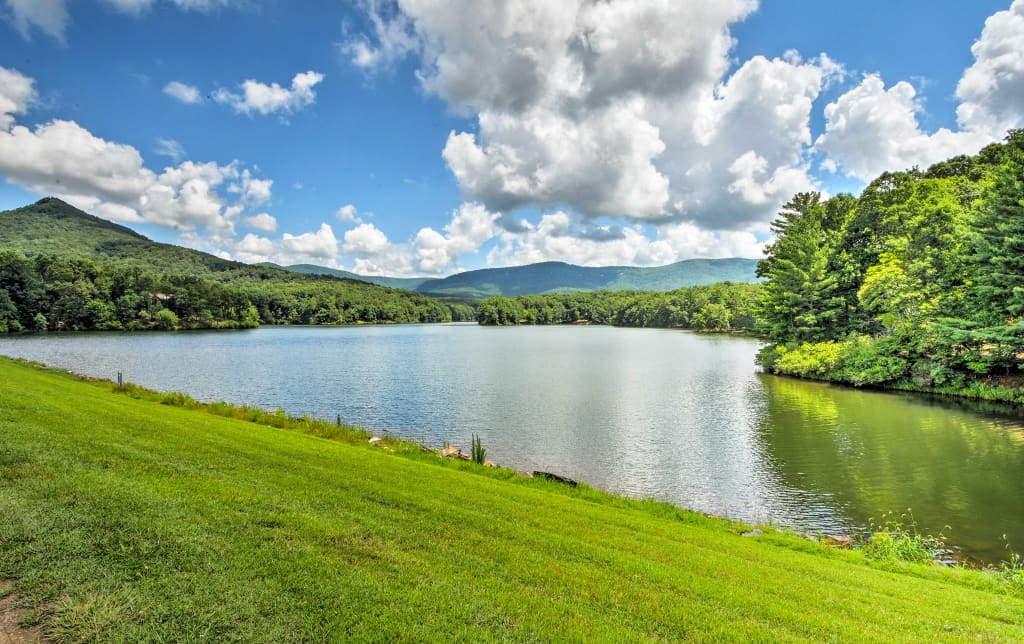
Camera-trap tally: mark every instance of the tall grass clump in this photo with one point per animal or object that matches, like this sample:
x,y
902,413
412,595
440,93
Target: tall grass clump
x,y
1011,571
897,539
477,450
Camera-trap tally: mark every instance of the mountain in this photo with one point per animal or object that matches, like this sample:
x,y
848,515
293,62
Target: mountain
x,y
559,277
408,283
53,227
64,269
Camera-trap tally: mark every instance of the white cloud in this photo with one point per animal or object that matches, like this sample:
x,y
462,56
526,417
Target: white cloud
x,y
170,148
264,222
603,163
394,35
991,90
558,237
17,92
314,247
253,249
471,226
63,158
131,7
365,240
268,99
254,192
348,213
871,129
184,93
49,16
610,109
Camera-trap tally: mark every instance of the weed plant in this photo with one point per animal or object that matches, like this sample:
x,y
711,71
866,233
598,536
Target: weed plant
x,y
897,539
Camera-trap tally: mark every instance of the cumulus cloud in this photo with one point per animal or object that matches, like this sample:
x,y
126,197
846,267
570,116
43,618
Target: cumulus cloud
x,y
365,240
603,163
253,249
260,98
611,109
348,213
470,227
263,221
253,192
559,237
870,128
17,92
183,92
991,90
63,158
170,148
315,246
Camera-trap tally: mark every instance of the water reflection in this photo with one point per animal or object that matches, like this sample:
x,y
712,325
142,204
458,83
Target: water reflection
x,y
870,453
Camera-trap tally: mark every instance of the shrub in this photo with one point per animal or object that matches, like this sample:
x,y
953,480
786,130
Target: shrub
x,y
815,360
166,320
866,361
769,355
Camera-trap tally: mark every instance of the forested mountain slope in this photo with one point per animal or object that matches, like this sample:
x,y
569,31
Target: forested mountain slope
x,y
63,269
559,277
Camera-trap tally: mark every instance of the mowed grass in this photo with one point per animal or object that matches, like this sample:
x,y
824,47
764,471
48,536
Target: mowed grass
x,y
127,520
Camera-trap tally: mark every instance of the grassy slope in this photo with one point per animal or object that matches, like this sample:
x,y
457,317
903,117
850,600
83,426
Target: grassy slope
x,y
137,521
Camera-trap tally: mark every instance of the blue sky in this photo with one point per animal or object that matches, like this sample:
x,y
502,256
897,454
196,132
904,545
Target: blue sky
x,y
416,137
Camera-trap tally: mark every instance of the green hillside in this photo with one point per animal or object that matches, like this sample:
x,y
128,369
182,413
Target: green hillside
x,y
127,520
53,227
63,269
559,277
408,283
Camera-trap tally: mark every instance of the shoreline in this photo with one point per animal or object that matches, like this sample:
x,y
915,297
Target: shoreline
x,y
454,455
133,517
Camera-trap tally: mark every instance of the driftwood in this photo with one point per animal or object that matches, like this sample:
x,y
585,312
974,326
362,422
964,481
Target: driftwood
x,y
555,477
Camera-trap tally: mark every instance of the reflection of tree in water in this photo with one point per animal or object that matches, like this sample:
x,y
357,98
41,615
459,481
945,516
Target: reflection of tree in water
x,y
874,452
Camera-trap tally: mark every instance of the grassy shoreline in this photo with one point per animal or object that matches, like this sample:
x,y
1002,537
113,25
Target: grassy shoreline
x,y
130,520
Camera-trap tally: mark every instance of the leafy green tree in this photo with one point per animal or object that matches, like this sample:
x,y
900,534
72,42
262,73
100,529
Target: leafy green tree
x,y
799,302
713,316
166,320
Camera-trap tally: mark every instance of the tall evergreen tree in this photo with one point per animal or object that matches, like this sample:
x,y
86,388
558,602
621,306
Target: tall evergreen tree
x,y
998,258
799,302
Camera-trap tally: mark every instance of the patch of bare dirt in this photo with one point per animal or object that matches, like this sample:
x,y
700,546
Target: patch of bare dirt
x,y
11,630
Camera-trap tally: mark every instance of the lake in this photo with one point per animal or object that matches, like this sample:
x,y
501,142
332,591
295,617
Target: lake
x,y
667,414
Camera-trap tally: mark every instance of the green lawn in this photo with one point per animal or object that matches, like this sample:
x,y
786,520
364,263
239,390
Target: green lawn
x,y
128,520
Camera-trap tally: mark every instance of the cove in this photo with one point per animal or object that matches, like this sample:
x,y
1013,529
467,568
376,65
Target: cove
x,y
667,414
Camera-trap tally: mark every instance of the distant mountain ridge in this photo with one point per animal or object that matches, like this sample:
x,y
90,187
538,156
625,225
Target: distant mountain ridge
x,y
560,277
53,227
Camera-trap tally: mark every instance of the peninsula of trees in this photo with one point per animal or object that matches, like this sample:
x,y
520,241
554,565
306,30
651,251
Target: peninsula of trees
x,y
918,283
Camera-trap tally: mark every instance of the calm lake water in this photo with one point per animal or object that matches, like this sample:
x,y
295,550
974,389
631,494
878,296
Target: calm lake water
x,y
667,414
